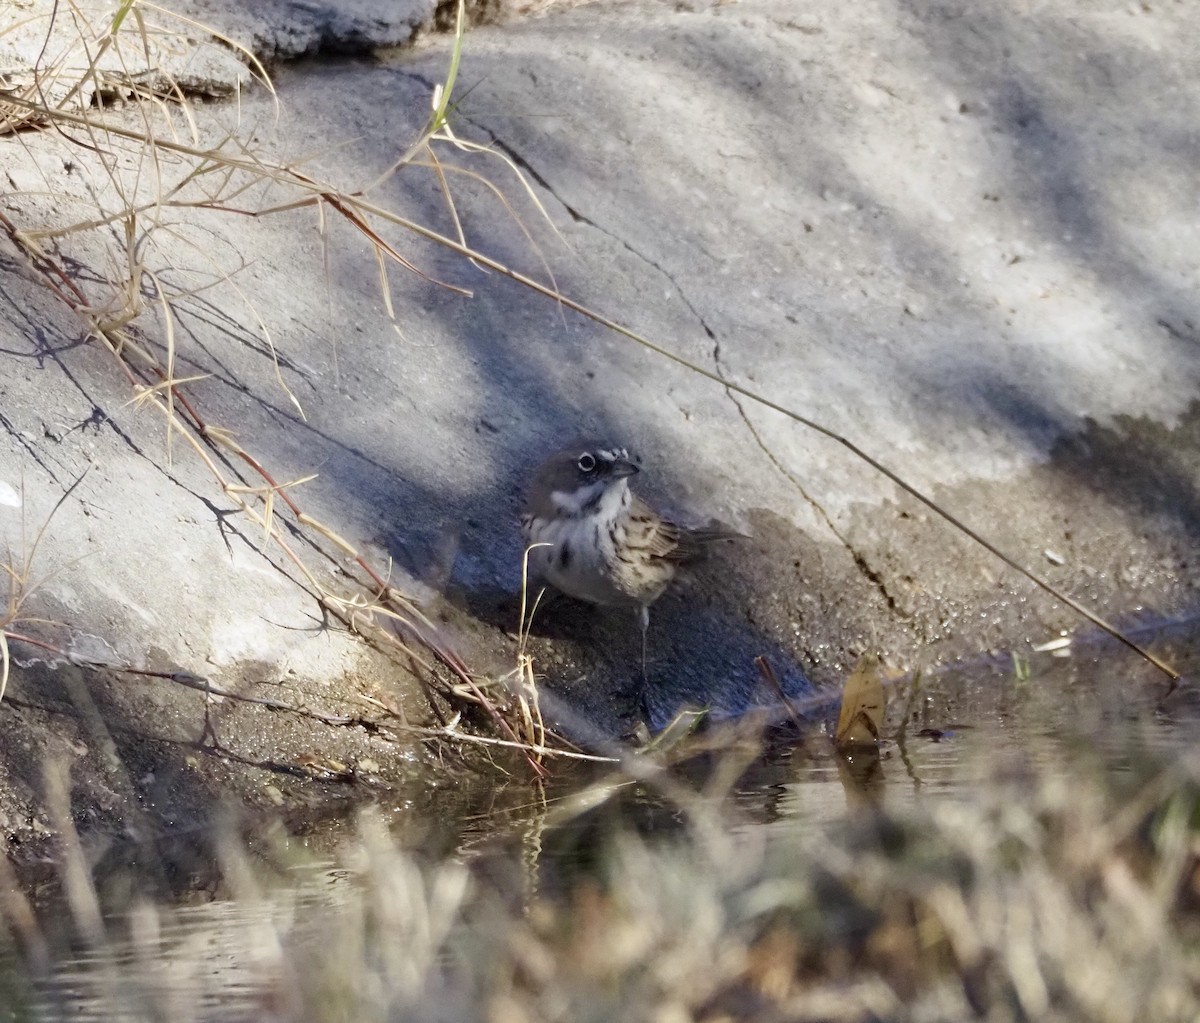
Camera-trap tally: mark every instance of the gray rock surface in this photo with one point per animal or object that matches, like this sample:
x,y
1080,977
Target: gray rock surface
x,y
282,29
962,237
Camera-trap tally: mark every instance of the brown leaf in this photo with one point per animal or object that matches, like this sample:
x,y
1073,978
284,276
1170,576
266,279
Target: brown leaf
x,y
863,705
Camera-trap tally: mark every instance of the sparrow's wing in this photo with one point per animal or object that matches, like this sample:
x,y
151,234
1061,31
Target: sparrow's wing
x,y
669,540
649,531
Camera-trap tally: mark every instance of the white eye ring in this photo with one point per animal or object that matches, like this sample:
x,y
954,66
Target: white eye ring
x,y
586,463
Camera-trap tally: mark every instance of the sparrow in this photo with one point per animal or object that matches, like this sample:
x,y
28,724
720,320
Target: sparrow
x,y
604,545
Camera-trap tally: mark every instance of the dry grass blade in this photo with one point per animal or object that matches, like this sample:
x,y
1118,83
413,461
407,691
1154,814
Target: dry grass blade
x,y
82,898
676,733
4,663
767,673
526,622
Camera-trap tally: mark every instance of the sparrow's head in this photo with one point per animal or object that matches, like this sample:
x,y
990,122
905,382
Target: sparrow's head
x,y
575,481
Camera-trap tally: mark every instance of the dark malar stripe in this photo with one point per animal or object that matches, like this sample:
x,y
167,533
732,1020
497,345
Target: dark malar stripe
x,y
593,503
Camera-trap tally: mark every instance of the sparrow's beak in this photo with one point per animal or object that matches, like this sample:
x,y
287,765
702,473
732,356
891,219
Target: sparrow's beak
x,y
622,468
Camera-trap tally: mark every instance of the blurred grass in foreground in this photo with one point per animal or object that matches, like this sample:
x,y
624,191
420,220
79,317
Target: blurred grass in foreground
x,y
1046,898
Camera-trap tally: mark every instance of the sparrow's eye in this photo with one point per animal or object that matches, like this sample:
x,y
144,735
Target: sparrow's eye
x,y
586,463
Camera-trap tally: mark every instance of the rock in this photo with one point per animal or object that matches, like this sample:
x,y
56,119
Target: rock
x,y
794,209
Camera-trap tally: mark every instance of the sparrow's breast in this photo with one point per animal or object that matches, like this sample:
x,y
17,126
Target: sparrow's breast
x,y
591,558
579,558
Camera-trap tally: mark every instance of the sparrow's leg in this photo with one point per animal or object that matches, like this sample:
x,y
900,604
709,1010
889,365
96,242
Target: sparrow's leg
x,y
643,705
644,621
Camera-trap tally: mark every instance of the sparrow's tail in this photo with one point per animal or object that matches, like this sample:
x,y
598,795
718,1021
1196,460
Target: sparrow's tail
x,y
695,540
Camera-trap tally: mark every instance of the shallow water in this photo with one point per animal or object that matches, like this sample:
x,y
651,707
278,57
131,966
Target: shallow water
x,y
221,957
